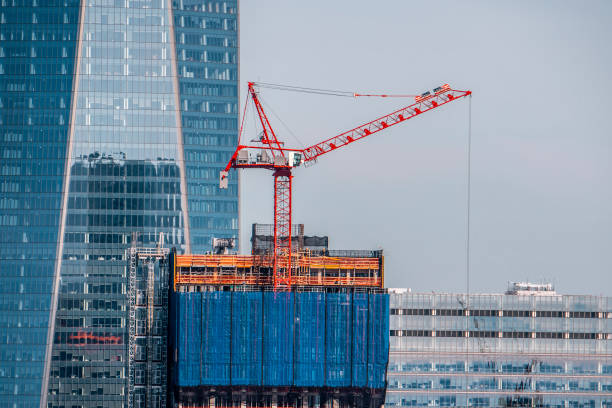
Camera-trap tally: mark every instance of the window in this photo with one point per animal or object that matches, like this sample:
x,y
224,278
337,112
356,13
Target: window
x,y
484,313
449,333
584,315
450,312
549,335
411,312
517,313
549,313
411,333
517,335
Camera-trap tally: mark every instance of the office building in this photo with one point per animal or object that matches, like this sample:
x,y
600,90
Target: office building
x,y
116,116
529,347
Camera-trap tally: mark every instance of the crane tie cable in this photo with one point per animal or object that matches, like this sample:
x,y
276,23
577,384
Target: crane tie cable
x,y
331,92
387,96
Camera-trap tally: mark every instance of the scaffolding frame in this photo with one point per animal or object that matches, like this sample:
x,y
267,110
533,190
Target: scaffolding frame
x,y
154,298
258,270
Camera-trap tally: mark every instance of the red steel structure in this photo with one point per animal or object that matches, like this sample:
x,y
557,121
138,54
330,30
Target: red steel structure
x,y
269,153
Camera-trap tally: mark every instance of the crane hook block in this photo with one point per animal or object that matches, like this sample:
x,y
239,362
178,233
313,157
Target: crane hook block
x,y
223,179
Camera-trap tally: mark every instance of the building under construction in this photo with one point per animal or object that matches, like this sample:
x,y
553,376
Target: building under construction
x,y
236,341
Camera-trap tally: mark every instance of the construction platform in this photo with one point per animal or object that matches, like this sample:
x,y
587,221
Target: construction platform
x,y
335,269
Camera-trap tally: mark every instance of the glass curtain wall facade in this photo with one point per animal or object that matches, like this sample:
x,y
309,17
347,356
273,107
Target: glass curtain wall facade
x,y
207,56
115,122
37,59
499,350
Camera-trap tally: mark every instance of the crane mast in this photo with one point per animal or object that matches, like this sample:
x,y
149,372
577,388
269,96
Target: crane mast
x,y
269,153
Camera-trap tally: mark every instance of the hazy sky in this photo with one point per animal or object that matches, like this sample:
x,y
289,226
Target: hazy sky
x,y
541,140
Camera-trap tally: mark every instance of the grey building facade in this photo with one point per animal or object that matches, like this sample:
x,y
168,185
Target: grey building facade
x,y
529,347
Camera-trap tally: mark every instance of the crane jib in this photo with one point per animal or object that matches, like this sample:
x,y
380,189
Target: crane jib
x,y
367,129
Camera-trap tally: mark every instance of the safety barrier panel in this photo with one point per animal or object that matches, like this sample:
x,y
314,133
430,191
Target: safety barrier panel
x,y
309,339
338,340
248,261
246,342
360,339
307,270
278,332
216,336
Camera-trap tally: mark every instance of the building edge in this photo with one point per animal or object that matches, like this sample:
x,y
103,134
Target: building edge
x,y
238,233
179,130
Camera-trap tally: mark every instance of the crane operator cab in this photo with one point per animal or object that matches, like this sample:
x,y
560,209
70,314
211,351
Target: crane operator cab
x,y
291,159
295,159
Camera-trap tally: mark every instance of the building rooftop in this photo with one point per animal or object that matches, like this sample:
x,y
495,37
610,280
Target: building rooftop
x,y
527,288
514,288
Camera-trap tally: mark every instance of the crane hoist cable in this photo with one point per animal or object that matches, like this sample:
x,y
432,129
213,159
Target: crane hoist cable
x,y
469,196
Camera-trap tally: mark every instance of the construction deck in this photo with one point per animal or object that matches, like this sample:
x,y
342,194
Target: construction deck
x,y
307,270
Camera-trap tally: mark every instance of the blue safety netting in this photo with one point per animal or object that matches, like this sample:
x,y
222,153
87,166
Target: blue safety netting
x,y
309,339
216,338
189,339
378,339
247,325
278,338
359,377
304,339
338,340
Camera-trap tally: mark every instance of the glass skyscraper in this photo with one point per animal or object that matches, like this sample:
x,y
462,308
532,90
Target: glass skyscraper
x,y
116,117
524,348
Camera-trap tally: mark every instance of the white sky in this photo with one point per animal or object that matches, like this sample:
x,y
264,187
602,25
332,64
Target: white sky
x,y
541,139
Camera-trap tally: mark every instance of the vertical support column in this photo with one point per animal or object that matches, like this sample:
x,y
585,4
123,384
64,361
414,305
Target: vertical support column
x,y
132,265
282,227
149,333
274,400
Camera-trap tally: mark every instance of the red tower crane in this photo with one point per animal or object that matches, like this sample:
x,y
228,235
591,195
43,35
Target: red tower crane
x,y
272,155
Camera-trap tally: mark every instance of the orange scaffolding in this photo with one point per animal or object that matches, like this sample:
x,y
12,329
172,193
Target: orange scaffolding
x,y
259,270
